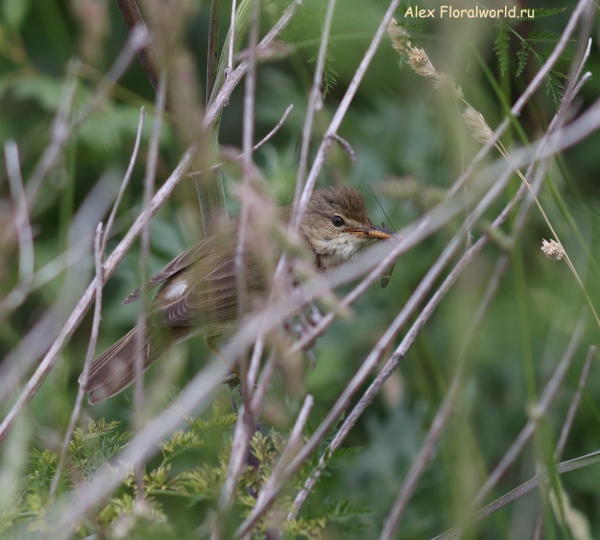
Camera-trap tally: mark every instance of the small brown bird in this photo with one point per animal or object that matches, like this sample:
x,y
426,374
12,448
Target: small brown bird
x,y
199,291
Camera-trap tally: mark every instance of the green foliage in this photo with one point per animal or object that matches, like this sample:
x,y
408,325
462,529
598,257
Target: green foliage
x,y
14,12
95,446
330,75
529,46
501,47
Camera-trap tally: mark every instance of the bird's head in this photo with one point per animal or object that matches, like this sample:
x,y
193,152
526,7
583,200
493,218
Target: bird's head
x,y
337,225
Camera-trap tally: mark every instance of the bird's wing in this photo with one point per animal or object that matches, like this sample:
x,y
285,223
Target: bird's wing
x,y
208,301
178,263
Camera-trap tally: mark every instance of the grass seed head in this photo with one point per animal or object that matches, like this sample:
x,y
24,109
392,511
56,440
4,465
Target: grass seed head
x,y
553,249
476,124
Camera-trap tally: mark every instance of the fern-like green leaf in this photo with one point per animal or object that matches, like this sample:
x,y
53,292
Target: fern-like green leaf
x,y
543,12
501,47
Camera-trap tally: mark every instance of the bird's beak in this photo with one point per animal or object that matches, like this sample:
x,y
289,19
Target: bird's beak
x,y
378,233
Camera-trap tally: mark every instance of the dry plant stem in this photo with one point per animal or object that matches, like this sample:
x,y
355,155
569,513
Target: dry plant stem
x,y
138,39
247,159
265,379
237,459
133,19
302,203
539,525
86,300
564,433
88,360
222,98
418,465
245,421
271,133
58,134
540,409
525,96
61,129
561,468
443,414
149,180
125,183
259,348
314,101
23,227
213,46
239,157
346,146
231,42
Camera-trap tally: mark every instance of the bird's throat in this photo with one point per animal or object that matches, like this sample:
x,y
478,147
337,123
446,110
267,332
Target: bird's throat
x,y
334,251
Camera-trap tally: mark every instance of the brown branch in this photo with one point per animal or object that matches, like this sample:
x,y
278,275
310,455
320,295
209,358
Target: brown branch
x,y
125,182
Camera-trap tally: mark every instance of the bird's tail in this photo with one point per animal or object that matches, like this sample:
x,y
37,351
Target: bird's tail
x,y
114,370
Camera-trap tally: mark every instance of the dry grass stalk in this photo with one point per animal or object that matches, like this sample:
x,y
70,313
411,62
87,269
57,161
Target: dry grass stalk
x,y
98,255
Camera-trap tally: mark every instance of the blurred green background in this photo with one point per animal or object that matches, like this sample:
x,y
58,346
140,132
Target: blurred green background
x,y
410,146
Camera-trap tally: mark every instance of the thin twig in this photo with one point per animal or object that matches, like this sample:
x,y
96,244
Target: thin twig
x,y
288,454
88,360
237,459
61,128
58,133
245,422
276,128
140,342
539,525
302,202
125,182
24,234
138,39
346,146
314,102
418,465
539,410
564,433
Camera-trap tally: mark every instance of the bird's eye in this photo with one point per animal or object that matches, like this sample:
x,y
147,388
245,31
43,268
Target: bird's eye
x,y
337,221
